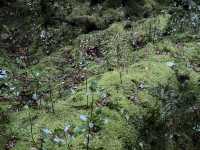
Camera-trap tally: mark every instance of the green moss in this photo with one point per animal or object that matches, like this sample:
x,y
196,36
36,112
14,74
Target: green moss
x,y
167,46
109,137
151,72
144,65
20,124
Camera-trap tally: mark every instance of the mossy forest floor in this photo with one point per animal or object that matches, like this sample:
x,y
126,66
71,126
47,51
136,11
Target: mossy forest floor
x,y
117,93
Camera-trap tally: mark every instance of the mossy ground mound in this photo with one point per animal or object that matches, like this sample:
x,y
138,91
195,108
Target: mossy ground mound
x,y
122,96
68,110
